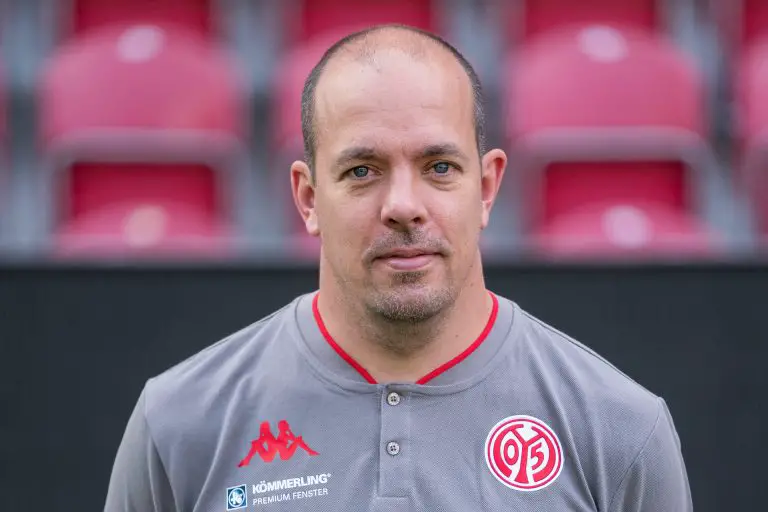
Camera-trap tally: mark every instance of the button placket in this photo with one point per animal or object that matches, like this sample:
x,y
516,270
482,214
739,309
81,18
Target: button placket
x,y
395,472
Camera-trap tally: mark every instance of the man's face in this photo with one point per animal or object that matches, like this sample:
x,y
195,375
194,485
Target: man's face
x,y
398,199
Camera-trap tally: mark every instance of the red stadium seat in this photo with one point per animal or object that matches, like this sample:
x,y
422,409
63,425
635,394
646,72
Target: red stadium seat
x,y
605,116
320,16
616,229
740,24
567,186
93,14
540,16
752,92
754,19
136,120
752,98
598,76
743,31
140,77
138,208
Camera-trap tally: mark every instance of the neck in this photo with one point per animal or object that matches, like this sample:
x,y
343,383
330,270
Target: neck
x,y
405,352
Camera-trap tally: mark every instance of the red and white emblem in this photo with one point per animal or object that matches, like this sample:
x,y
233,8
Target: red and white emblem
x,y
523,453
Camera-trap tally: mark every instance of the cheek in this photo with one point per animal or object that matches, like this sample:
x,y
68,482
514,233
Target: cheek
x,y
343,222
460,220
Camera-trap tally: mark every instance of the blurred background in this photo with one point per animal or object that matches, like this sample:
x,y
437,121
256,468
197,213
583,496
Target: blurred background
x,y
145,209
164,129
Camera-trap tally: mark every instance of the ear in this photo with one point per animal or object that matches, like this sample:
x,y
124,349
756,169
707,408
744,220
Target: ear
x,y
303,188
494,163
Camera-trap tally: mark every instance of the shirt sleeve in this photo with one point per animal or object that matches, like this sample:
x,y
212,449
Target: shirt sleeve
x,y
657,479
139,482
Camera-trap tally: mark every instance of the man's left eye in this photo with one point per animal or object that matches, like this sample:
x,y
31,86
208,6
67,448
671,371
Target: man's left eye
x,y
442,168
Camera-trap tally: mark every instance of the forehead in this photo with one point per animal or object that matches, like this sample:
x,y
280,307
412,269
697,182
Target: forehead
x,y
393,101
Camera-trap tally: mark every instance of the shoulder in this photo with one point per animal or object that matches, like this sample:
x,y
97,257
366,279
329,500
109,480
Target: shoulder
x,y
596,395
608,415
193,386
581,370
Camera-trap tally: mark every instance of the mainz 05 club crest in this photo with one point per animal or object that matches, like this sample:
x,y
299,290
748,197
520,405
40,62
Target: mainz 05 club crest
x,y
523,453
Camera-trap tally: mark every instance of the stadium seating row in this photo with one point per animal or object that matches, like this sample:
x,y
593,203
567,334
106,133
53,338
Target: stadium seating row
x,y
144,122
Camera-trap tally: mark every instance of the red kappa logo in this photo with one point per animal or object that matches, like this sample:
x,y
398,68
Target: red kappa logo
x,y
523,453
267,445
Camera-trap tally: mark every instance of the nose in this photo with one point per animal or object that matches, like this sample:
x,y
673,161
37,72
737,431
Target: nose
x,y
403,208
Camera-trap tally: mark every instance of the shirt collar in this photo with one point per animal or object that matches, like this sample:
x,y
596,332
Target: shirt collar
x,y
334,363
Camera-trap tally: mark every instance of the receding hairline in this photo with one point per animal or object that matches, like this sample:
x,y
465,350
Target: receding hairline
x,y
364,45
365,50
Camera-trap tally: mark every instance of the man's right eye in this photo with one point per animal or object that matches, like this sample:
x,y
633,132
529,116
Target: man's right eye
x,y
360,171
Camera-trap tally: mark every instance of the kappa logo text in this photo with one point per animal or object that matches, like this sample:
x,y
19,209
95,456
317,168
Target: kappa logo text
x,y
267,445
523,453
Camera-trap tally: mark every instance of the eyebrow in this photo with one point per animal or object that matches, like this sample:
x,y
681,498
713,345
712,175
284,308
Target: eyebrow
x,y
355,154
367,153
444,149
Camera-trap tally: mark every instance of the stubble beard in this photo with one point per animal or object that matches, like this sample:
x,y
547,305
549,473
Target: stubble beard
x,y
406,313
409,301
406,316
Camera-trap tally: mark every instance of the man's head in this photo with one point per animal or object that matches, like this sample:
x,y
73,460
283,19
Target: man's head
x,y
308,99
396,184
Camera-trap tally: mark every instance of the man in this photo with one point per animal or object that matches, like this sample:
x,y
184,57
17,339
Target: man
x,y
403,383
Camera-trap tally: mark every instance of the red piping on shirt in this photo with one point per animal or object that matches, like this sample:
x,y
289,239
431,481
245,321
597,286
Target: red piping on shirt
x,y
431,375
459,358
348,358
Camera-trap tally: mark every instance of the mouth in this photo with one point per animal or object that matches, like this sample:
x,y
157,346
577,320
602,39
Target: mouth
x,y
407,259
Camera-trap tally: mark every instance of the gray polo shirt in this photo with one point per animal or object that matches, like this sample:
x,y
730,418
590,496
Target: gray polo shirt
x,y
277,417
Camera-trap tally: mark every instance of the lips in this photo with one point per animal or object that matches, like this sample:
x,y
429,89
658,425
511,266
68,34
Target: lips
x,y
406,253
407,259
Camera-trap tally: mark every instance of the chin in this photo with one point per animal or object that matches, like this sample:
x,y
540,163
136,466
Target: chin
x,y
411,279
411,302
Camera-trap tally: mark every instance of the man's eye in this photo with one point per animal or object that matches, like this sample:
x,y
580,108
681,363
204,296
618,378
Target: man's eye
x,y
442,168
360,171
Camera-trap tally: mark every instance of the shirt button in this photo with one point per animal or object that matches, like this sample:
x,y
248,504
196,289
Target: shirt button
x,y
393,448
393,399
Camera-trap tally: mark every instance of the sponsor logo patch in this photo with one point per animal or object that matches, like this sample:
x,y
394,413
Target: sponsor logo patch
x,y
277,491
524,453
237,497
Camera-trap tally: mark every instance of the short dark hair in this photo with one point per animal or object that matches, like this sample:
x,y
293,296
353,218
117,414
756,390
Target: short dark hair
x,y
310,86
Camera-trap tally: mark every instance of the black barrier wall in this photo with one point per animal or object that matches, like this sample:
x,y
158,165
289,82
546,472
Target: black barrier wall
x,y
77,345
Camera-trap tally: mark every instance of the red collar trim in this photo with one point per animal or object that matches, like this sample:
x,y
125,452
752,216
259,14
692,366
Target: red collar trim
x,y
428,377
348,358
